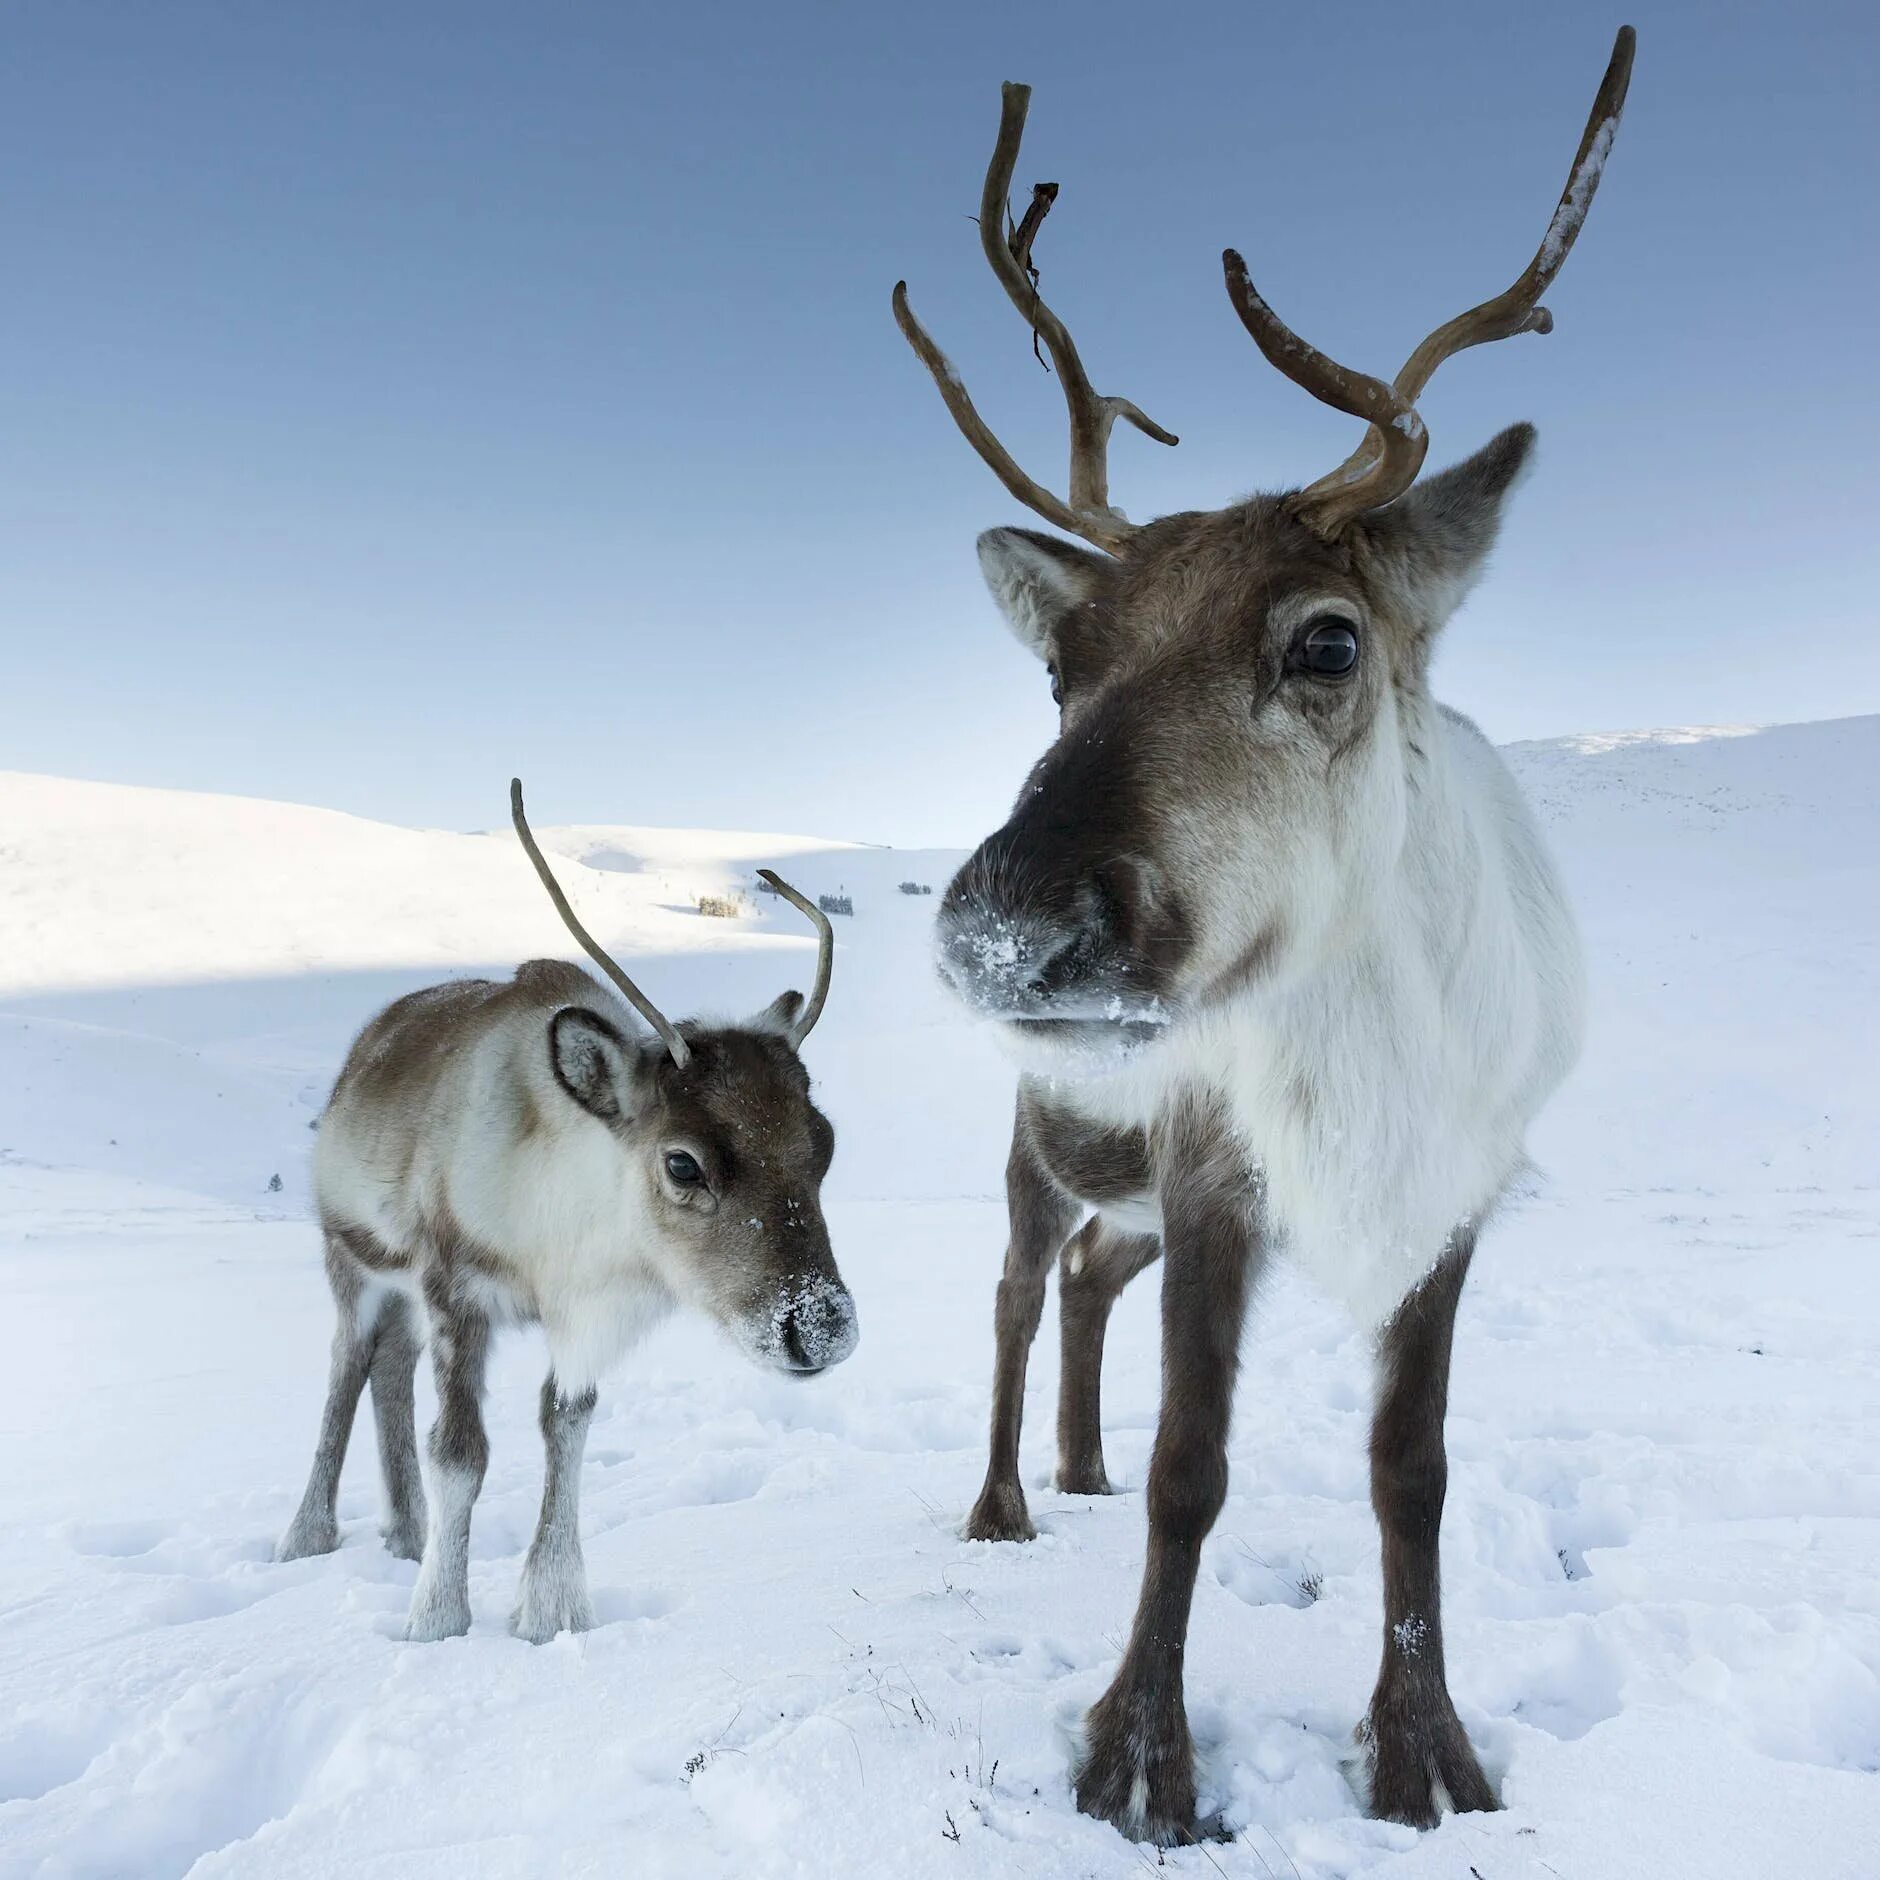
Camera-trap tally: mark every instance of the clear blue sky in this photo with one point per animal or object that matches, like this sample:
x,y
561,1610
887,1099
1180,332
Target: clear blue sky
x,y
396,396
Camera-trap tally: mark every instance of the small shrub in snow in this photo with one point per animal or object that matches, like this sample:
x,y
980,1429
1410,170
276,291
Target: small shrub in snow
x,y
915,887
722,906
835,904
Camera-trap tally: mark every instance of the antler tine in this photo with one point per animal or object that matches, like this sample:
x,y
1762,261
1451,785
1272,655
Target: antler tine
x,y
1003,465
1517,310
1391,455
681,1051
1092,415
1403,442
825,954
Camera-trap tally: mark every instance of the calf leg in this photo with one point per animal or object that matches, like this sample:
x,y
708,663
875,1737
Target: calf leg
x,y
394,1408
460,1452
1097,1263
1041,1215
554,1595
1414,1738
1138,1770
315,1526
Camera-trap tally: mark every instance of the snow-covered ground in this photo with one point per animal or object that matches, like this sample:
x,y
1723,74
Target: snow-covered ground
x,y
1662,1546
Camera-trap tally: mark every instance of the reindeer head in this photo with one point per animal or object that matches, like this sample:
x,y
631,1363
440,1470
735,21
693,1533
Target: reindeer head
x,y
1240,690
725,1150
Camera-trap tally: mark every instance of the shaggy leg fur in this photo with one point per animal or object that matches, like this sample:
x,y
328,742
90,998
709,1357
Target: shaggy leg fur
x,y
460,1452
315,1527
554,1593
394,1409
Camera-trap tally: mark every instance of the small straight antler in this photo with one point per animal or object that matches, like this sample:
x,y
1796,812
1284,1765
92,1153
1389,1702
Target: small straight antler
x,y
825,955
1092,415
668,1032
1387,462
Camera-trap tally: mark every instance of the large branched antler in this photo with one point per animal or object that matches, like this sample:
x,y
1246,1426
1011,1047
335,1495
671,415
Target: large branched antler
x,y
1092,415
668,1032
1387,462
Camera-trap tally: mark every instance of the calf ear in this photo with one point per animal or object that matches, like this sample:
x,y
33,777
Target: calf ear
x,y
780,1014
592,1061
1037,580
1436,538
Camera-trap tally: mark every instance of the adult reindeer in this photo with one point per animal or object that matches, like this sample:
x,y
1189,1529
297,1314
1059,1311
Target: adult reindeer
x,y
520,1152
1282,957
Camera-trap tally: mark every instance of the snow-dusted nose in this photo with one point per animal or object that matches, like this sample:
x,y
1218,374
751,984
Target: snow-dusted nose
x,y
1005,963
815,1326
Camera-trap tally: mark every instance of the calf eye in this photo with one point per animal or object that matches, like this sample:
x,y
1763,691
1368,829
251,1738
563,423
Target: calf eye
x,y
1057,686
684,1169
1328,648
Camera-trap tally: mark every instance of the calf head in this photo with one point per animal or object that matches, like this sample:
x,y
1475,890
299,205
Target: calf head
x,y
723,1144
728,1152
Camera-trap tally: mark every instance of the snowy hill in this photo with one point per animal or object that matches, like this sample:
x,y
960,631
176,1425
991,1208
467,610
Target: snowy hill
x,y
1664,1510
108,885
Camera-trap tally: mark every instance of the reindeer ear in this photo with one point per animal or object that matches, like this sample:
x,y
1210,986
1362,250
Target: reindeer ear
x,y
1436,538
781,1014
1037,580
593,1062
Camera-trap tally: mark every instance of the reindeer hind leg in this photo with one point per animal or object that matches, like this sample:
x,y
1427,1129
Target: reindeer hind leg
x,y
315,1526
460,1452
1041,1216
1097,1263
394,1407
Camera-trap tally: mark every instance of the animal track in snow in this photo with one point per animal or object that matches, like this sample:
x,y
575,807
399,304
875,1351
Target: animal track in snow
x,y
1564,1682
708,1481
40,1756
116,1540
714,1480
1277,1579
618,1605
1043,1659
213,1766
187,1601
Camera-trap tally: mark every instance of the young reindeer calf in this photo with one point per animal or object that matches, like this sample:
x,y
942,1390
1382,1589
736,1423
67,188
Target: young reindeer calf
x,y
499,1153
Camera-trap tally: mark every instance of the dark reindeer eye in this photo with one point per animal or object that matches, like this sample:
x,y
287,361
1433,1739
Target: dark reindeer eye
x,y
684,1169
1057,686
1328,649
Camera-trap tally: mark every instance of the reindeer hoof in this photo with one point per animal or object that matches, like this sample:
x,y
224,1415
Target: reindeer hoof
x,y
1138,1768
553,1596
551,1603
1083,1478
1000,1515
305,1539
437,1615
1409,1760
430,1628
537,1628
403,1543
